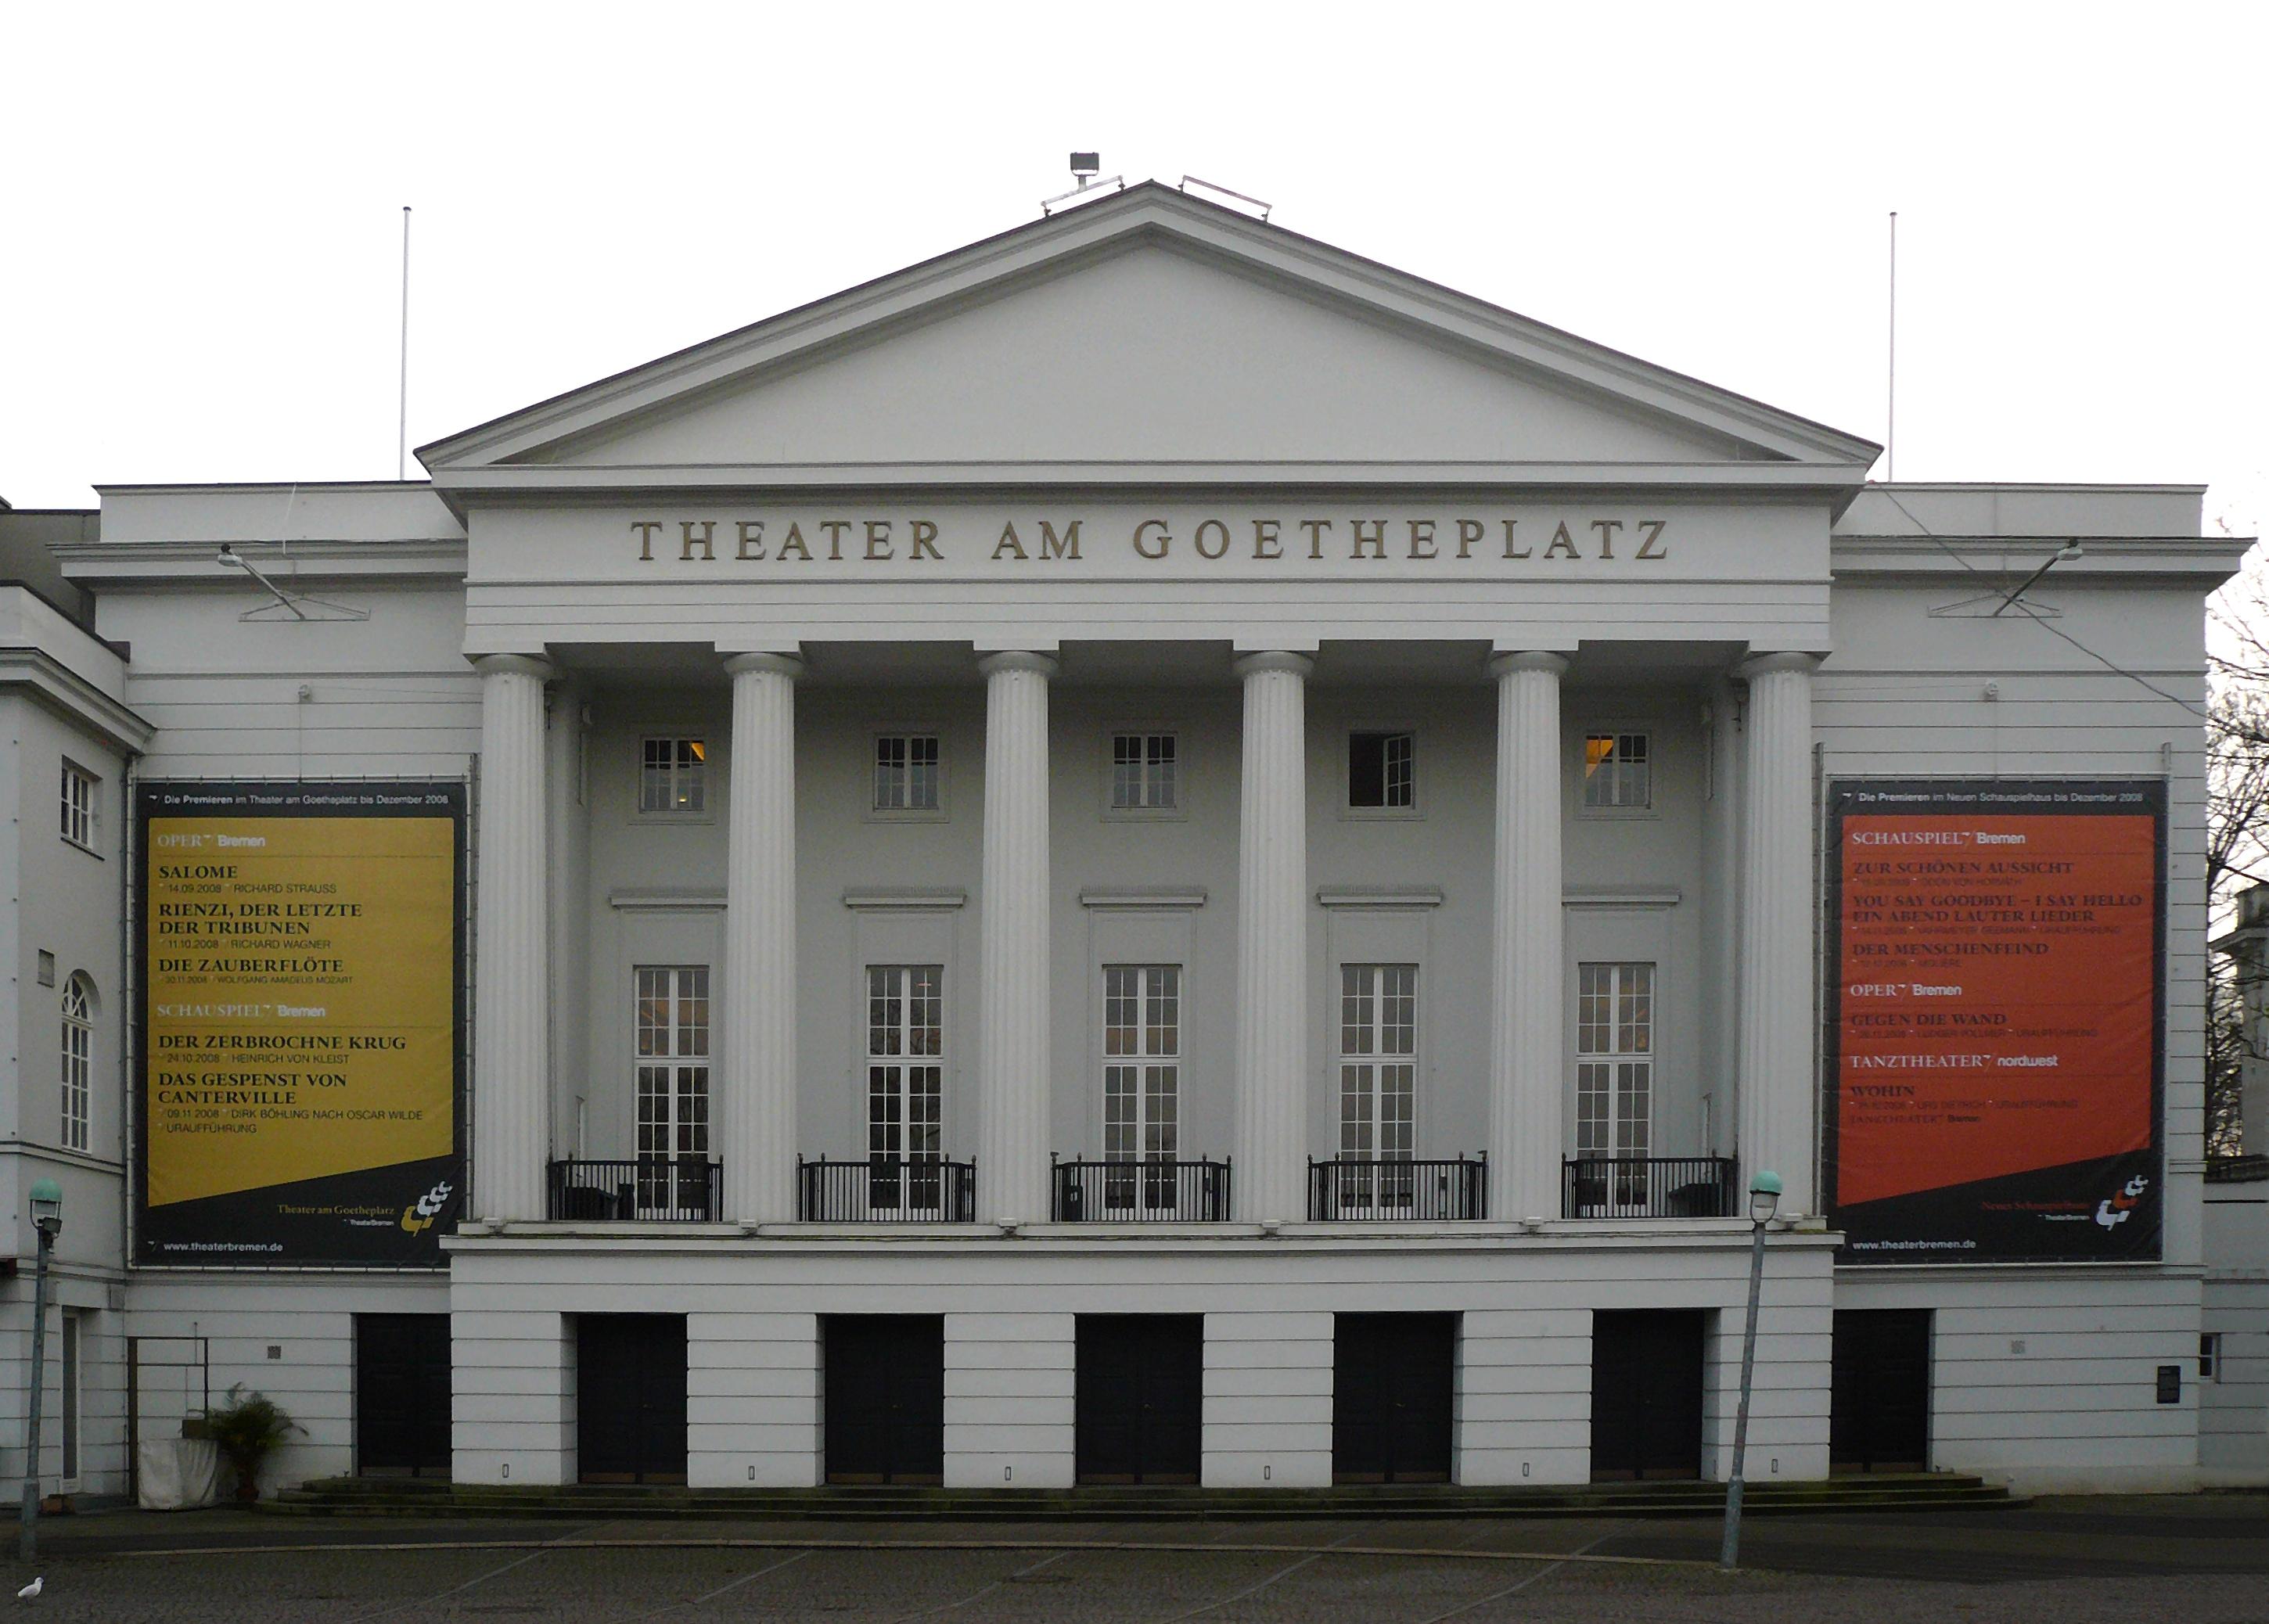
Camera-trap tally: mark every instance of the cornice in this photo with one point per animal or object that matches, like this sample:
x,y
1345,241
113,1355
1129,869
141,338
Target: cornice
x,y
64,691
410,558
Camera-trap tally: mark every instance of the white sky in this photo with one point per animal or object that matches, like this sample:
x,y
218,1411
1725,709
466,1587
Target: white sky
x,y
200,205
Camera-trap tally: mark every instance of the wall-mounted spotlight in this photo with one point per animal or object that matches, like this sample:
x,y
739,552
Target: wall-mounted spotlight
x,y
298,605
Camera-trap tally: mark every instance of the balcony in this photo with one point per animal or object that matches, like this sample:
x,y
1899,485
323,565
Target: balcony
x,y
886,1190
1649,1187
644,1190
1152,1190
1399,1192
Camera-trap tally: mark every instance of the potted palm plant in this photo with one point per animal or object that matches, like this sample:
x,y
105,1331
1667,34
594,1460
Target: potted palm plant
x,y
248,1428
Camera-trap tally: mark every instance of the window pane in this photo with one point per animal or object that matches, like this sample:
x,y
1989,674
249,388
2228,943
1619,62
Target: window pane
x,y
1367,769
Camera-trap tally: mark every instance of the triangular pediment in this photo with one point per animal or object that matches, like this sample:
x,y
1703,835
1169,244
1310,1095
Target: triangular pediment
x,y
1143,334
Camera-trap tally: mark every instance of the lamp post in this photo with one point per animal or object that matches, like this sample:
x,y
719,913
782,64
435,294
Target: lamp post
x,y
1764,1198
48,1219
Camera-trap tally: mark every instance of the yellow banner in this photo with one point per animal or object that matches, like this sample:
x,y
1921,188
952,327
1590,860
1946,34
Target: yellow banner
x,y
302,1007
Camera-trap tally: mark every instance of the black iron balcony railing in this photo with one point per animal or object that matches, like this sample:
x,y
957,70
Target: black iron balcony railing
x,y
1649,1187
642,1189
886,1190
1416,1191
1152,1190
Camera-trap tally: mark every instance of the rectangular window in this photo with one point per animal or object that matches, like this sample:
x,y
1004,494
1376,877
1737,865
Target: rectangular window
x,y
905,772
1614,1079
1378,1061
1616,772
1144,772
673,777
1141,1080
81,790
2210,1356
673,1087
1382,772
906,1089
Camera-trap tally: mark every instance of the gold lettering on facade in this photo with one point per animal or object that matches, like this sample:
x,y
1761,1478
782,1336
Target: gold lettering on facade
x,y
883,541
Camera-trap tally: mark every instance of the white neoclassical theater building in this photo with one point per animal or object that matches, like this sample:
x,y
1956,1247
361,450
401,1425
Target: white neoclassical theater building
x,y
1146,853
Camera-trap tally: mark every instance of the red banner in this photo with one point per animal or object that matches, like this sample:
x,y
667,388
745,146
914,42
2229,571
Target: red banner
x,y
1994,1037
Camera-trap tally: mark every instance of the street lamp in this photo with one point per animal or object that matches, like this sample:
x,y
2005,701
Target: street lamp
x,y
1764,1200
48,1219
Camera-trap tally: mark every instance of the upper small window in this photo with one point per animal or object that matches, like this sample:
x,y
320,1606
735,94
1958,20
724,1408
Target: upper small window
x,y
2210,1356
1382,772
674,776
1145,773
81,798
1617,773
905,772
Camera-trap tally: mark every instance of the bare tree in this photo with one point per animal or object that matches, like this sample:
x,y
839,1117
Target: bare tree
x,y
2237,833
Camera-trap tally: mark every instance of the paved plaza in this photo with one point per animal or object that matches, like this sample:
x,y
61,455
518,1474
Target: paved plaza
x,y
2203,1560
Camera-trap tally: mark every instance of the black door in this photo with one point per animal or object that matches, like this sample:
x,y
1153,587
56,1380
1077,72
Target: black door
x,y
630,1398
1878,1410
1646,1395
885,1397
1391,1382
402,1394
1139,1413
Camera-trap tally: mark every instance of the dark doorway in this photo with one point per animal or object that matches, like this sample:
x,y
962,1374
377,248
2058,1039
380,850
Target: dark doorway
x,y
630,1398
885,1397
401,1395
1646,1395
1879,1409
1139,1413
1391,1383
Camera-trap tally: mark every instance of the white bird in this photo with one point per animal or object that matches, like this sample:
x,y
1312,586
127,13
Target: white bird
x,y
31,1590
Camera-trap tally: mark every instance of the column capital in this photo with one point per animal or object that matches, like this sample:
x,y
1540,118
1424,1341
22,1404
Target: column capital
x,y
790,666
1527,660
1273,660
1018,659
515,665
1764,665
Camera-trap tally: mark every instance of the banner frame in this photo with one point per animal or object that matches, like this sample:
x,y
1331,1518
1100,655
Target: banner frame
x,y
1835,805
140,793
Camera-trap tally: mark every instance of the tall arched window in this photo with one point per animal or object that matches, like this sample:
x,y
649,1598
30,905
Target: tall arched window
x,y
79,1058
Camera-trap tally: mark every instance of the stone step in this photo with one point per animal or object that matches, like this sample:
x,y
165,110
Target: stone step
x,y
399,1499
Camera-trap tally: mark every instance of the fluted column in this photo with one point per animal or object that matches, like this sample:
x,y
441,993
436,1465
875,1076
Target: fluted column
x,y
1012,1078
1272,940
1525,992
756,1100
512,1071
1778,1101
